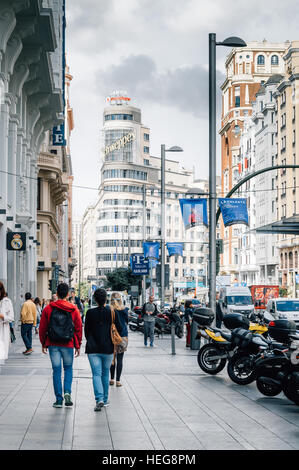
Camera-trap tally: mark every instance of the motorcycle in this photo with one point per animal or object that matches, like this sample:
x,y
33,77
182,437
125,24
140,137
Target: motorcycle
x,y
220,348
165,321
277,370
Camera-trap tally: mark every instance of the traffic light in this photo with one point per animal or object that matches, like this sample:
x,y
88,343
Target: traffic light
x,y
50,285
166,275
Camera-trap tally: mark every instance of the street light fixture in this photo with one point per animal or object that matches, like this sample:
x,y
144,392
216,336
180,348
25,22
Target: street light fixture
x,y
229,42
163,150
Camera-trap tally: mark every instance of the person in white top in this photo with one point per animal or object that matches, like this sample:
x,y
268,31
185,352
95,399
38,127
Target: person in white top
x,y
6,316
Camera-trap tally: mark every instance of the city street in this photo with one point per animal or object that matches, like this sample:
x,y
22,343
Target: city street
x,y
166,402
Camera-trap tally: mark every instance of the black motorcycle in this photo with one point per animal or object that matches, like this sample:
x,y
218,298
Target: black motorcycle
x,y
165,320
278,369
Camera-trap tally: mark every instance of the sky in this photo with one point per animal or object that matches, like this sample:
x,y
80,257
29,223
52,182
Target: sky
x,y
156,50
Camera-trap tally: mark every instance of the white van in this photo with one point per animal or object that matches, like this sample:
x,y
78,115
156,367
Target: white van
x,y
236,300
283,308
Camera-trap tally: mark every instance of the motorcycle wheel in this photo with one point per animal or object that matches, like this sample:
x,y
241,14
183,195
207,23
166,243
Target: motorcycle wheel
x,y
240,370
267,389
179,331
209,366
133,327
292,393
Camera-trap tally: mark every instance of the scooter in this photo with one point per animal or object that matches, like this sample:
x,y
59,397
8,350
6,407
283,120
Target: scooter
x,y
164,323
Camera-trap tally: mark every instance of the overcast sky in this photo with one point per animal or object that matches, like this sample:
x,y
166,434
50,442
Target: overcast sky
x,y
157,50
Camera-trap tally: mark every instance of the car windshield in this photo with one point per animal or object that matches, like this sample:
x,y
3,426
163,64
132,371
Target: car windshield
x,y
288,306
239,300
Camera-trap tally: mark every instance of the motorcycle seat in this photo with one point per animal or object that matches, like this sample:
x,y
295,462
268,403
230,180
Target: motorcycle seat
x,y
225,335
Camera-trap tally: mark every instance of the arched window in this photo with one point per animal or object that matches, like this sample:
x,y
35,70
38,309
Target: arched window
x,y
260,60
274,60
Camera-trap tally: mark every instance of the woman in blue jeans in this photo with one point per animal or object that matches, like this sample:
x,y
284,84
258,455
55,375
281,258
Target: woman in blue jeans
x,y
99,346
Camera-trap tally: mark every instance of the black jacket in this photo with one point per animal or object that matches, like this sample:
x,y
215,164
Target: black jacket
x,y
97,330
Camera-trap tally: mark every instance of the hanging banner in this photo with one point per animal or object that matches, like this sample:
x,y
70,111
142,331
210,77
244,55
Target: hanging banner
x,y
234,211
58,135
139,265
16,241
194,212
151,249
175,248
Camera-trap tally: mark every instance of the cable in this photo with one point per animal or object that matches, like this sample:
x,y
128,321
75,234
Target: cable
x,y
238,191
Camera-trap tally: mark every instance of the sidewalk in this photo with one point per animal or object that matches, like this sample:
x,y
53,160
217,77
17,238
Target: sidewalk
x,y
166,402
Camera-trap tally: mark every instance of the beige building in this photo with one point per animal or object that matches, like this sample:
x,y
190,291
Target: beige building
x,y
287,152
246,69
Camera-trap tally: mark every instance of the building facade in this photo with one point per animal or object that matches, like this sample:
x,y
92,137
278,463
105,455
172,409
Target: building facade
x,y
31,103
246,69
128,210
287,144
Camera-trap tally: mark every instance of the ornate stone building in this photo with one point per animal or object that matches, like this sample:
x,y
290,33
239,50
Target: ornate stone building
x,y
31,103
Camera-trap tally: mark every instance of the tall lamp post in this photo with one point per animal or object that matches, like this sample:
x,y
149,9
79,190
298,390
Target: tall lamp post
x,y
163,150
229,42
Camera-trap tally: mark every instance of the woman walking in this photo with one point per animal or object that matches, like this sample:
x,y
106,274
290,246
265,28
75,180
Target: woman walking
x,y
99,346
6,317
188,318
38,313
123,315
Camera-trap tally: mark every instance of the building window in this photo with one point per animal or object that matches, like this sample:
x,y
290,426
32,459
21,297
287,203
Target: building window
x,y
237,96
260,60
146,162
146,137
146,149
274,60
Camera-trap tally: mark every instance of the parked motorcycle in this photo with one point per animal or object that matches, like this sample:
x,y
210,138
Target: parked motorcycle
x,y
164,321
222,346
278,369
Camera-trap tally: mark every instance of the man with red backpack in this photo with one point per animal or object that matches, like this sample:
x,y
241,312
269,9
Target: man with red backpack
x,y
60,331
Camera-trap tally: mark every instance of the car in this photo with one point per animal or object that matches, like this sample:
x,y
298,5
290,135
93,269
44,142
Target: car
x,y
283,308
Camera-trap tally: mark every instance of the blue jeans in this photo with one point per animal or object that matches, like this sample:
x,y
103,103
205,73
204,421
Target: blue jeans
x,y
100,367
66,355
149,330
26,333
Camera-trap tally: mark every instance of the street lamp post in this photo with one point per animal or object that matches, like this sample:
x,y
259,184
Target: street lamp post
x,y
229,42
163,150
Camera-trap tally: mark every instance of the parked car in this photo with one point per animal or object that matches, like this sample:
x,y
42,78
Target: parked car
x,y
283,308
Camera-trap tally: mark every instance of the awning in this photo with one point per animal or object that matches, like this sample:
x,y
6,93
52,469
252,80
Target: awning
x,y
287,226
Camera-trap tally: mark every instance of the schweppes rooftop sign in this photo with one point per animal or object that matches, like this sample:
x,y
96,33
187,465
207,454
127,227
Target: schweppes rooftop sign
x,y
120,143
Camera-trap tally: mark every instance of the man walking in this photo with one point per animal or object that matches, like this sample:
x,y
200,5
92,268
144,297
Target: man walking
x,y
219,313
28,321
60,331
76,300
149,311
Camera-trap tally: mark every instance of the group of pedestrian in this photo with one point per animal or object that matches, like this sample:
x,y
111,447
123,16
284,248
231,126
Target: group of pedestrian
x,y
60,333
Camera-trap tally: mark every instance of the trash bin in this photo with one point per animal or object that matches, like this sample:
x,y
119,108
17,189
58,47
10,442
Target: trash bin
x,y
194,342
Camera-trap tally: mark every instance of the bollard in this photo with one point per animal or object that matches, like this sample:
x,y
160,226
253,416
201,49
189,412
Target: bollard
x,y
172,339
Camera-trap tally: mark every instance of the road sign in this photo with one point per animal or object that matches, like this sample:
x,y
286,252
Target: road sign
x,y
139,265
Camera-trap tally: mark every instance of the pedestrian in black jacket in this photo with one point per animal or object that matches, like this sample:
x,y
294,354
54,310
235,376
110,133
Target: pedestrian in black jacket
x,y
99,346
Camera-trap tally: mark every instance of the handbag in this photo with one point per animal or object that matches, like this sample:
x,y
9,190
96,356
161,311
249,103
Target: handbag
x,y
123,346
115,336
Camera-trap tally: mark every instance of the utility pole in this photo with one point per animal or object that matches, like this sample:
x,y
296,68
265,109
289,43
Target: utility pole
x,y
162,226
144,239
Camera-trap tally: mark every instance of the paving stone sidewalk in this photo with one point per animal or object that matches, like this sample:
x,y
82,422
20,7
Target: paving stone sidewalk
x,y
166,402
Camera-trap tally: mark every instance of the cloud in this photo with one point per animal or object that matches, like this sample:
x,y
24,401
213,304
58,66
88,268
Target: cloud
x,y
185,87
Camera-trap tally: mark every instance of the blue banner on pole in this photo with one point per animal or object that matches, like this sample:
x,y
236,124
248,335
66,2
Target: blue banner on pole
x,y
151,249
175,248
139,265
194,212
234,211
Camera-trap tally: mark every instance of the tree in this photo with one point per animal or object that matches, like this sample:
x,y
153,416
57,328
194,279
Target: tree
x,y
122,279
